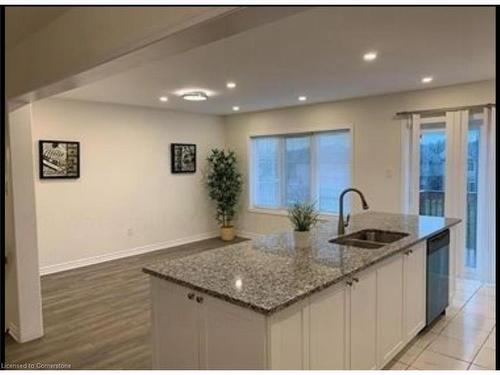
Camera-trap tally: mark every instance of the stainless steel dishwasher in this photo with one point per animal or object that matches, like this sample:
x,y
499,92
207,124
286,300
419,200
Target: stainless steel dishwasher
x,y
438,275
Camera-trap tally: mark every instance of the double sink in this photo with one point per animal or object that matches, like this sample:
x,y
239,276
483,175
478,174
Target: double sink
x,y
369,238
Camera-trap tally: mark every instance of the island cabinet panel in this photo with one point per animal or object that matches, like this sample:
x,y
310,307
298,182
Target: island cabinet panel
x,y
231,337
192,330
288,338
390,337
414,290
328,329
363,313
175,327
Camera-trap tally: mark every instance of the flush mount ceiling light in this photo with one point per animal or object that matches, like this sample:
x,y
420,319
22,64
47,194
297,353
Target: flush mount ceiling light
x,y
231,85
236,108
163,99
370,56
302,98
428,79
195,96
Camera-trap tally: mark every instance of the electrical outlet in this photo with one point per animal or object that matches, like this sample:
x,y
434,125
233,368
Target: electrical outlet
x,y
130,232
388,173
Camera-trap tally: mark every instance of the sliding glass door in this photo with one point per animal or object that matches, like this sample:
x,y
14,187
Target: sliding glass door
x,y
435,163
432,168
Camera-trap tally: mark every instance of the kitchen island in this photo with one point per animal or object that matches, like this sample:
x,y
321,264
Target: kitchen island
x,y
265,304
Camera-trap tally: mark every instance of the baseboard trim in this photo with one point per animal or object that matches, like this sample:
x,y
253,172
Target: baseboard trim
x,y
13,331
249,235
21,337
60,267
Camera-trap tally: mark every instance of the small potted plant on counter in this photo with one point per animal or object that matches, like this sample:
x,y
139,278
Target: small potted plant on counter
x,y
224,187
303,216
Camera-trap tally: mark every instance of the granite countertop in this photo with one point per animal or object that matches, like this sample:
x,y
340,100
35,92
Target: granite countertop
x,y
268,274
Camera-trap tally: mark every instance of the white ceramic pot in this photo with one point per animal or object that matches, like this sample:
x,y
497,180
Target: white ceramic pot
x,y
227,233
302,239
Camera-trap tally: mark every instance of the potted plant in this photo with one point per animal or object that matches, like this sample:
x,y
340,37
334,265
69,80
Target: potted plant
x,y
303,216
224,187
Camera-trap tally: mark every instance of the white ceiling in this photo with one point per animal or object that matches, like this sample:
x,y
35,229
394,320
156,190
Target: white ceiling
x,y
317,53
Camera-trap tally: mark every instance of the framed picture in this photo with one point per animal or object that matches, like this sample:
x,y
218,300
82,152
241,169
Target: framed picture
x,y
183,158
59,159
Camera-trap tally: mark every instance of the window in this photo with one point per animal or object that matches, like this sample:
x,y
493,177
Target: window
x,y
306,167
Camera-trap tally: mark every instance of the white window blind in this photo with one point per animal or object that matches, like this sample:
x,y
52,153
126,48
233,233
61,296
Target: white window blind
x,y
312,167
266,171
297,169
334,168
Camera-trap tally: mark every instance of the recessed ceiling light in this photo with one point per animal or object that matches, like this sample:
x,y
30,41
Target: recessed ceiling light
x,y
427,79
231,85
302,98
163,99
236,108
370,56
195,96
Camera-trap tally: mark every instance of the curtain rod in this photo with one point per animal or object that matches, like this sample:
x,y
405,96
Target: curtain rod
x,y
444,109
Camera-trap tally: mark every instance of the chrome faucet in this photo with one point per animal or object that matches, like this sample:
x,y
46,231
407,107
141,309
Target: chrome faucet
x,y
341,226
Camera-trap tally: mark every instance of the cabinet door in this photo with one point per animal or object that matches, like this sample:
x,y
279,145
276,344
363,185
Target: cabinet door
x,y
414,294
175,327
328,330
231,337
363,315
390,337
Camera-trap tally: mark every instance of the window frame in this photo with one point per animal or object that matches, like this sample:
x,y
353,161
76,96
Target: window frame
x,y
282,211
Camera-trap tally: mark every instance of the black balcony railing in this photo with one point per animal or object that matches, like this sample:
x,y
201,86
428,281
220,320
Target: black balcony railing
x,y
432,204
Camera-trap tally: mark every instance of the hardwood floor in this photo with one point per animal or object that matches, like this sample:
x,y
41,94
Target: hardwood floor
x,y
98,317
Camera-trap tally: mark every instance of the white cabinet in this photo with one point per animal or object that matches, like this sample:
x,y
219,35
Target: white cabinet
x,y
175,327
334,330
329,323
194,331
401,298
414,290
288,338
390,336
231,337
362,331
360,323
342,328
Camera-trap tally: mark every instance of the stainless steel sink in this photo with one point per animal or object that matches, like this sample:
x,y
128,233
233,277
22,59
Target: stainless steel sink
x,y
369,238
357,243
377,235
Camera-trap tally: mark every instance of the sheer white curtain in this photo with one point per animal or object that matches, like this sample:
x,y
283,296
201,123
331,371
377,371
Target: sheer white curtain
x,y
457,141
410,158
486,197
455,197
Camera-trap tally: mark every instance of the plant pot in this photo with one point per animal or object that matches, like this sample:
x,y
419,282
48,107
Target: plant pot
x,y
302,239
227,233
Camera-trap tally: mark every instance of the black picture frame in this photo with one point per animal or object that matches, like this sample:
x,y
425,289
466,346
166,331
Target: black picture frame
x,y
183,158
65,164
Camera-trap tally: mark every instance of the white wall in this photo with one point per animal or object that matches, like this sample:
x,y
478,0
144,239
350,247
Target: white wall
x,y
26,323
126,200
377,137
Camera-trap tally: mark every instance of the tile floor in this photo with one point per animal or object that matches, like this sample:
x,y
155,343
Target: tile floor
x,y
463,339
